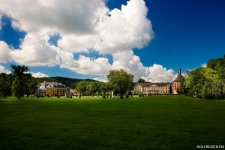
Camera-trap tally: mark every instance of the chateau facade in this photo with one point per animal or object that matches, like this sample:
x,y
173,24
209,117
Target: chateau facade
x,y
59,89
160,88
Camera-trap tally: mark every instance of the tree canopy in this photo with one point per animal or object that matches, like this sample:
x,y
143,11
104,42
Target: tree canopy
x,y
141,80
207,82
218,65
94,87
19,84
81,87
5,85
120,80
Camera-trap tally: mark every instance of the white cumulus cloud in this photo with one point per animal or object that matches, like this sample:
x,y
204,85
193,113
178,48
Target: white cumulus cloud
x,y
82,25
4,70
158,73
38,74
128,61
204,65
99,66
101,79
4,52
36,51
125,29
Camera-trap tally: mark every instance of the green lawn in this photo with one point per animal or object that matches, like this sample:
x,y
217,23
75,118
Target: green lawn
x,y
170,122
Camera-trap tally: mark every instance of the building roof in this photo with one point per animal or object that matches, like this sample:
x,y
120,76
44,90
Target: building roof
x,y
45,85
157,84
179,77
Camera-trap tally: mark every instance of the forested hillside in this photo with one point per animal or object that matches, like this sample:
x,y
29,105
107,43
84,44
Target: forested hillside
x,y
69,82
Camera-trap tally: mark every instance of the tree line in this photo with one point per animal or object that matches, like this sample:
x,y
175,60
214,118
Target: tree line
x,y
119,82
17,83
68,82
20,82
206,82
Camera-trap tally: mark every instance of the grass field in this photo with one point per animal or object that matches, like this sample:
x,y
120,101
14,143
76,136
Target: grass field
x,y
170,122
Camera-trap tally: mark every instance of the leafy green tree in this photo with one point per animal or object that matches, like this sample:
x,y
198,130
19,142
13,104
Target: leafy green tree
x,y
51,92
94,86
81,87
33,86
104,88
218,65
5,85
30,84
99,88
181,90
141,80
120,80
200,80
19,86
73,85
67,92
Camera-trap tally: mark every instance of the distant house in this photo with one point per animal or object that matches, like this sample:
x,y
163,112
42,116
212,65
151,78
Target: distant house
x,y
159,88
73,92
59,89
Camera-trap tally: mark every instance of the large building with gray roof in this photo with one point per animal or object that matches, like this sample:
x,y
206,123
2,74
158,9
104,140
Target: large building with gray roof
x,y
160,88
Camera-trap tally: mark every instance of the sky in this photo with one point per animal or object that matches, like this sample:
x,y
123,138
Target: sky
x,y
150,39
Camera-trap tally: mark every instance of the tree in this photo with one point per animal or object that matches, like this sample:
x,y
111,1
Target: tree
x,y
30,84
104,88
67,92
5,85
81,87
73,85
120,80
51,91
93,88
181,90
18,86
218,65
200,82
141,80
33,86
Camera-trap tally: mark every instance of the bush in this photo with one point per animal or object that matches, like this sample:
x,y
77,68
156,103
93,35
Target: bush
x,y
121,96
58,96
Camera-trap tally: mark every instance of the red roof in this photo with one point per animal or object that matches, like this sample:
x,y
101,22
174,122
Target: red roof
x,y
179,77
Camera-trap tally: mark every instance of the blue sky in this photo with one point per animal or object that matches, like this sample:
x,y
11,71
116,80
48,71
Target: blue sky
x,y
183,34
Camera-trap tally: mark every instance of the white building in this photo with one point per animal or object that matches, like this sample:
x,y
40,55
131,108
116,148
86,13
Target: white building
x,y
153,88
160,88
59,89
